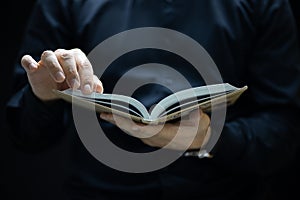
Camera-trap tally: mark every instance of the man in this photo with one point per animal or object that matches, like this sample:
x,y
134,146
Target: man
x,y
252,42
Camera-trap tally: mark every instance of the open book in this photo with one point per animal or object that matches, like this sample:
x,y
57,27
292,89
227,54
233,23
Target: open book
x,y
169,108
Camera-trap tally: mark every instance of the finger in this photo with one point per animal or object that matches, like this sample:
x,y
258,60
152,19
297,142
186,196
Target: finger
x,y
118,121
187,122
29,64
130,127
85,71
98,87
195,114
152,131
122,122
67,61
204,120
207,136
160,136
192,119
49,59
107,117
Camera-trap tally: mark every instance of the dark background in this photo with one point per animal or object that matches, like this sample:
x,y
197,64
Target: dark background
x,y
23,176
40,176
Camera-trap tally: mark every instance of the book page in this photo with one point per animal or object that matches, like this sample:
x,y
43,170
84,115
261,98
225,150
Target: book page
x,y
218,101
106,102
103,103
188,95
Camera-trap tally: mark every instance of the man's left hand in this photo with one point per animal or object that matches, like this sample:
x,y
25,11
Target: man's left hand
x,y
195,129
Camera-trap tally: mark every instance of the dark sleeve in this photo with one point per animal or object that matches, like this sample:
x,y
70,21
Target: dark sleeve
x,y
267,139
34,124
49,27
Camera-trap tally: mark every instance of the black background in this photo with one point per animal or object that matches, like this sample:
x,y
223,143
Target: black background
x,y
23,176
40,176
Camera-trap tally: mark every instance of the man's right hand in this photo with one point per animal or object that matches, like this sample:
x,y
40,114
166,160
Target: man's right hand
x,y
61,69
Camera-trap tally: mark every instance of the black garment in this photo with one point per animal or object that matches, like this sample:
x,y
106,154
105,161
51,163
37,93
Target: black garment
x,y
253,42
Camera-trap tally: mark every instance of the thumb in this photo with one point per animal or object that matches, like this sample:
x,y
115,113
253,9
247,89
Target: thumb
x,y
29,64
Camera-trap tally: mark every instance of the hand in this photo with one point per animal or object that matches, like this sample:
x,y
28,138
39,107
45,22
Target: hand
x,y
60,70
161,135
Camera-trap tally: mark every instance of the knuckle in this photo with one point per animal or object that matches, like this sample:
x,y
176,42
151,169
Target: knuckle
x,y
51,64
77,51
59,51
70,70
48,58
84,64
66,56
47,53
87,80
71,73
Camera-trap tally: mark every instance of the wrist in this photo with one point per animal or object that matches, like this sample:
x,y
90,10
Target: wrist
x,y
201,152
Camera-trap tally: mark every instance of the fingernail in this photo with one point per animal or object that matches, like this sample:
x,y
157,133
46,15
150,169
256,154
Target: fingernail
x,y
103,116
87,88
59,76
32,66
74,83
